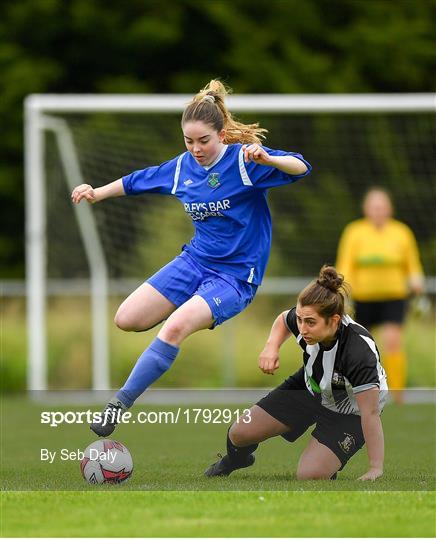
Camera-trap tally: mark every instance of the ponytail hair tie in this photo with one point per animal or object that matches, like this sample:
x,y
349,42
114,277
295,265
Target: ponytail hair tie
x,y
209,98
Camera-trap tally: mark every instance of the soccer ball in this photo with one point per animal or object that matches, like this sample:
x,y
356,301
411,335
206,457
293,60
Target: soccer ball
x,y
106,462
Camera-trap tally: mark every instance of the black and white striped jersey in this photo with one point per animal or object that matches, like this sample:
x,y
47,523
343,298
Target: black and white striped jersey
x,y
351,364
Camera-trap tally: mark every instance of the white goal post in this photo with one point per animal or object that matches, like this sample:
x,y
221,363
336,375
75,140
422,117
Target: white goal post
x,y
42,115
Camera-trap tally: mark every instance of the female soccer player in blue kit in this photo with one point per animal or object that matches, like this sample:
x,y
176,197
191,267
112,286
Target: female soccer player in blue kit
x,y
222,182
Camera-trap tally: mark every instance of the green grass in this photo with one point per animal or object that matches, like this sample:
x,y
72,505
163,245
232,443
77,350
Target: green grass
x,y
168,495
173,456
217,514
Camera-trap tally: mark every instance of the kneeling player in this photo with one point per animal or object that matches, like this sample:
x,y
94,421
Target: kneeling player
x,y
341,388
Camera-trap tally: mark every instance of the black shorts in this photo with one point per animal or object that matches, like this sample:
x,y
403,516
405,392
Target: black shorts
x,y
372,313
293,405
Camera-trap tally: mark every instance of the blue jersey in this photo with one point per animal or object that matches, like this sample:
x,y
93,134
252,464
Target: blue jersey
x,y
227,203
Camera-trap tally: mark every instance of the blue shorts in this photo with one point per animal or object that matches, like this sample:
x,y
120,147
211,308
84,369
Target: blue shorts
x,y
184,277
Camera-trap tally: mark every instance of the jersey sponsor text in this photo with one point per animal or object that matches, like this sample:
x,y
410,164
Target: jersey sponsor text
x,y
203,210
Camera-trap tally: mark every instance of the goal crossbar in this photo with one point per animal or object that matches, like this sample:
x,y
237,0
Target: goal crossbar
x,y
298,103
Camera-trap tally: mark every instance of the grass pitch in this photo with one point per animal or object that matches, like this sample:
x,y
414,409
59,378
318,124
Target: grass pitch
x,y
219,514
168,496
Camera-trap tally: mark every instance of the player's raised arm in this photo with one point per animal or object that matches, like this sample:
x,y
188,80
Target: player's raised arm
x,y
287,164
269,358
93,195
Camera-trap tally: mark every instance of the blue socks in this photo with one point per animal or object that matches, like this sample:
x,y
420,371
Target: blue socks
x,y
151,365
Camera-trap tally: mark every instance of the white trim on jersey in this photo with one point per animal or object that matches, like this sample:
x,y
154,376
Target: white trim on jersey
x,y
177,173
364,387
220,155
383,385
384,394
346,319
244,175
328,364
312,351
371,345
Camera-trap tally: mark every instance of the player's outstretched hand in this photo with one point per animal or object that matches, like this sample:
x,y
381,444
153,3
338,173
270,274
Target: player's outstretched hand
x,y
269,361
372,474
84,191
255,152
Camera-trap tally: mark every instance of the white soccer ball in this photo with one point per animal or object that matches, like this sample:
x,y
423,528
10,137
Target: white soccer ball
x,y
106,461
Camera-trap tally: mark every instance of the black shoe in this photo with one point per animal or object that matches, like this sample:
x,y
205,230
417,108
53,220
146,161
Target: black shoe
x,y
109,418
224,466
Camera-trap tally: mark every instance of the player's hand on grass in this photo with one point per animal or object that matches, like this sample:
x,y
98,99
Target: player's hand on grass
x,y
372,474
255,152
269,360
84,191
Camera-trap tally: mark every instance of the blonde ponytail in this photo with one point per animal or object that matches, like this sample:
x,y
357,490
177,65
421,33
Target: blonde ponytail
x,y
209,106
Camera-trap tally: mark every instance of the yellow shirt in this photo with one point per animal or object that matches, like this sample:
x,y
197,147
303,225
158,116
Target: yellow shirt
x,y
378,263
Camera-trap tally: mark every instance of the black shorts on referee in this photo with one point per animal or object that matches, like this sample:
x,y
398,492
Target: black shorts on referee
x,y
370,314
293,405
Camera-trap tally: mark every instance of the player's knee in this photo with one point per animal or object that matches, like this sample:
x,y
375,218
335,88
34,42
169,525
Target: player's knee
x,y
312,473
239,434
124,320
173,331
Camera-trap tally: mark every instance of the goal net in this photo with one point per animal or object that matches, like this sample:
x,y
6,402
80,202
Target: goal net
x,y
353,142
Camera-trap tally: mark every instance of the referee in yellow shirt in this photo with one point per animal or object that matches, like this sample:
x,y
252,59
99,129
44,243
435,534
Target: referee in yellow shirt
x,y
379,258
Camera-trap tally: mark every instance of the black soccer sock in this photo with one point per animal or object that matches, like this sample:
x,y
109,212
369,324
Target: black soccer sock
x,y
239,454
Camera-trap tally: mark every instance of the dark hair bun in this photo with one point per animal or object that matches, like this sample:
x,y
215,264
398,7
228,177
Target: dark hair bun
x,y
330,279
